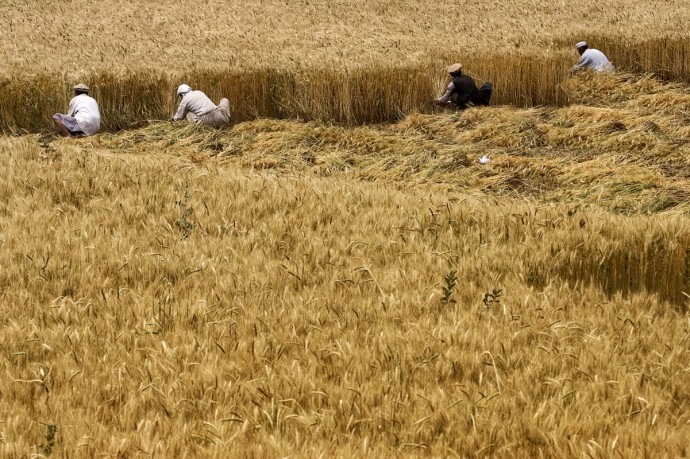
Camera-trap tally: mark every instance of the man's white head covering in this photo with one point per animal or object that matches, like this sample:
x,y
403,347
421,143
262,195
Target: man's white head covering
x,y
580,44
183,89
455,68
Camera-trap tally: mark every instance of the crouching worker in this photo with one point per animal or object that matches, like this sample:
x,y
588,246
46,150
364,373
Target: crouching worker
x,y
196,107
82,118
462,90
592,59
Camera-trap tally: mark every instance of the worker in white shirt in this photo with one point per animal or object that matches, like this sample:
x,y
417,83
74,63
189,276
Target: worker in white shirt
x,y
591,59
82,118
196,107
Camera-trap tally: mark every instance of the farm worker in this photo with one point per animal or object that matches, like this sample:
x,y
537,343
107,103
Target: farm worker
x,y
196,107
591,59
82,118
463,90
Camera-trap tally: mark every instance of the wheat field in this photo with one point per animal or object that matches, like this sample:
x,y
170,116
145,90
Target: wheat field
x,y
288,315
299,289
351,61
337,275
79,37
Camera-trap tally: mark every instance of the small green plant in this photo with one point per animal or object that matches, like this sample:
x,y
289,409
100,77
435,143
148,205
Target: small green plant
x,y
183,223
450,279
47,447
492,297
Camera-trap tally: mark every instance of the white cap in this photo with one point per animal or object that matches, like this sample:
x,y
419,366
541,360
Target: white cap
x,y
580,44
183,89
454,68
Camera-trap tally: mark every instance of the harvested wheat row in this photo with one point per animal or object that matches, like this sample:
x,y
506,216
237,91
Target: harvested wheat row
x,y
370,94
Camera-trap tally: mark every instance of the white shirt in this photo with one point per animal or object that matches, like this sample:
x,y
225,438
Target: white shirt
x,y
85,110
449,92
196,102
595,60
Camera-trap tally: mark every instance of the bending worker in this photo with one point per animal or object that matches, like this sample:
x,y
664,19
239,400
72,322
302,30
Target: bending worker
x,y
463,90
196,107
82,118
591,59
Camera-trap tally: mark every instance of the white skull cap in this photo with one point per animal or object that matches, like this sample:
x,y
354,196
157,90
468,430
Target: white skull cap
x,y
183,89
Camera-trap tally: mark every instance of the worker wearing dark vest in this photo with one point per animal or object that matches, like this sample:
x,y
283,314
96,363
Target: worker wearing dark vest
x,y
462,90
